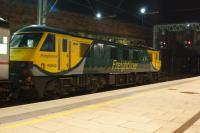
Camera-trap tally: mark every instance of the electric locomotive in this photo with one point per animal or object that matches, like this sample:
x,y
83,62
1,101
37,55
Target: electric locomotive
x,y
48,60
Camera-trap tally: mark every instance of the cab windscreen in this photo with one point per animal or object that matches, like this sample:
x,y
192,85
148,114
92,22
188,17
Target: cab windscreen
x,y
25,40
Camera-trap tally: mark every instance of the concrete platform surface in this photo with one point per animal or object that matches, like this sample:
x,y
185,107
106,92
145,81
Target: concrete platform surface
x,y
166,107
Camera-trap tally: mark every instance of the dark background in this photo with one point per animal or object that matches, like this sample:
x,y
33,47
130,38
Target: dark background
x,y
170,11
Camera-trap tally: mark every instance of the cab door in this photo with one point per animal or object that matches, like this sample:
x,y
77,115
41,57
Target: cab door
x,y
64,54
47,55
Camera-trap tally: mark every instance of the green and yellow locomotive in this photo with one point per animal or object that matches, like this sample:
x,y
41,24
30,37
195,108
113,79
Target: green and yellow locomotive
x,y
51,61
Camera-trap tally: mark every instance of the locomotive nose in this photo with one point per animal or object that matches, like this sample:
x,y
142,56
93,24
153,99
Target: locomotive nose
x,y
20,72
21,54
20,61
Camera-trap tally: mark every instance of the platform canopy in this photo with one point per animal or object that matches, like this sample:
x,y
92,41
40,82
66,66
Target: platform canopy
x,y
177,27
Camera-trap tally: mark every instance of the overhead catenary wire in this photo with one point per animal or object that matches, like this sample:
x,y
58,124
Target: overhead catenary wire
x,y
91,7
107,5
119,6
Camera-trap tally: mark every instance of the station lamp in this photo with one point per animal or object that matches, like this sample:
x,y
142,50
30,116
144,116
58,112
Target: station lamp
x,y
189,42
143,10
98,15
188,25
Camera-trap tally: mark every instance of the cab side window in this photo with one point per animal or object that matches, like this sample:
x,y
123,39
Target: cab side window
x,y
49,43
64,45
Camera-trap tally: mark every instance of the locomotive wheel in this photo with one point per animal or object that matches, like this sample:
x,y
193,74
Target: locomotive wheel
x,y
93,86
53,90
30,94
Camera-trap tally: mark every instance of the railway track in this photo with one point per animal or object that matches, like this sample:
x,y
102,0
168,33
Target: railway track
x,y
28,101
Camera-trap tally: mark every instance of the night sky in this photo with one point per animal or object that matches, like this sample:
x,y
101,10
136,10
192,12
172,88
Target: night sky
x,y
170,11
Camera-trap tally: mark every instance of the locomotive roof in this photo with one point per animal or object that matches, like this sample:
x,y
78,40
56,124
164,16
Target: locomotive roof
x,y
4,23
38,28
126,46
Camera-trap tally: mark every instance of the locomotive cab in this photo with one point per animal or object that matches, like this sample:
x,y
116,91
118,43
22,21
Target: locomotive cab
x,y
39,51
22,50
49,49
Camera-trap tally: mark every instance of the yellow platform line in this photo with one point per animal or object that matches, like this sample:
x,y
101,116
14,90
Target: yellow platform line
x,y
75,110
65,113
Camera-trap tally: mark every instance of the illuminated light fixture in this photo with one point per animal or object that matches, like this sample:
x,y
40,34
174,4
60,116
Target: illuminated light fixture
x,y
2,19
110,40
100,44
3,46
3,49
98,15
143,10
189,42
5,40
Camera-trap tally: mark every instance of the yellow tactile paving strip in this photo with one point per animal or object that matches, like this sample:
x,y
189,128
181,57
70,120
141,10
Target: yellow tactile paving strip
x,y
50,110
156,111
66,113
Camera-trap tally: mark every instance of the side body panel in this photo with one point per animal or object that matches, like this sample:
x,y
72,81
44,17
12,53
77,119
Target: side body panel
x,y
68,54
84,57
125,60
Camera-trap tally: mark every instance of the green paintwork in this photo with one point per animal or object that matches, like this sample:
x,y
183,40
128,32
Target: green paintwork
x,y
100,59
